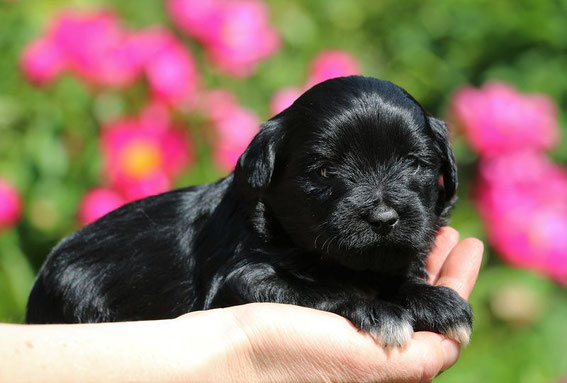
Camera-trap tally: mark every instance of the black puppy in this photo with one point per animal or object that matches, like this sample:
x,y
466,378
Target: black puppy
x,y
334,205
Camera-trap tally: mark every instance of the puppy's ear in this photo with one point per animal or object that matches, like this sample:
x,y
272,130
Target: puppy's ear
x,y
448,197
255,167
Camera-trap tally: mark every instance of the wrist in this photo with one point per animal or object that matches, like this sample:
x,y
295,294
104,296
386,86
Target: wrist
x,y
218,346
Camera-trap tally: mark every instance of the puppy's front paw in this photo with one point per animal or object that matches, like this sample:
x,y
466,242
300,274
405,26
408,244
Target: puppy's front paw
x,y
460,333
389,324
439,309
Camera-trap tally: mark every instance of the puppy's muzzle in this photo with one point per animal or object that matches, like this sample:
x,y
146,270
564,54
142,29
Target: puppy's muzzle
x,y
383,219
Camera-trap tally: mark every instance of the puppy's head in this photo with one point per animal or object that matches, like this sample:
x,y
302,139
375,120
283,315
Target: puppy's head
x,y
355,171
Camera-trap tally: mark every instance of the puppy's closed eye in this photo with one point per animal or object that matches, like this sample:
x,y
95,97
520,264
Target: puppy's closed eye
x,y
413,162
419,162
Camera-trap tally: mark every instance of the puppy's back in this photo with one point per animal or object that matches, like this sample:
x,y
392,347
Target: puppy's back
x,y
134,263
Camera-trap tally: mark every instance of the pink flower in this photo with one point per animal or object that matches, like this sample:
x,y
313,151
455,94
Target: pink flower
x,y
234,135
522,198
142,155
198,18
243,38
283,99
94,46
155,116
155,183
10,205
234,126
172,74
236,34
42,61
331,64
497,119
91,45
97,203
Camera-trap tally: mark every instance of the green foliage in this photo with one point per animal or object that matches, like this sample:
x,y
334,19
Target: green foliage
x,y
49,148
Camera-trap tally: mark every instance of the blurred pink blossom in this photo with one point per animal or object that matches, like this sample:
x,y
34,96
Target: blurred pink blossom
x,y
42,61
330,64
234,126
95,46
172,74
498,119
198,18
142,155
155,116
154,183
91,44
283,99
97,203
522,200
236,34
243,38
10,205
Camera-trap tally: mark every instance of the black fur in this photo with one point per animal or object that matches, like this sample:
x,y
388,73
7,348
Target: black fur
x,y
300,221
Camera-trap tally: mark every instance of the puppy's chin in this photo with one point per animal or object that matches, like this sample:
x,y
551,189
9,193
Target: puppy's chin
x,y
383,259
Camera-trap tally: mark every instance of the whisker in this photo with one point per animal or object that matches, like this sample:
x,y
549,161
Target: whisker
x,y
315,242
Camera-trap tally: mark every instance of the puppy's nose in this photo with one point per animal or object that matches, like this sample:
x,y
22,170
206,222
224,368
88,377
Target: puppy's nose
x,y
383,219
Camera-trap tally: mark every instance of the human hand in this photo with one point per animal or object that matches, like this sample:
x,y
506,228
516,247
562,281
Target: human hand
x,y
292,343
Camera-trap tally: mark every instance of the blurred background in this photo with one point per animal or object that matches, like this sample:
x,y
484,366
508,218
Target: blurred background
x,y
105,102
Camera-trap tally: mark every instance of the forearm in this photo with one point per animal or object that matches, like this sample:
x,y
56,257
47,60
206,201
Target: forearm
x,y
166,350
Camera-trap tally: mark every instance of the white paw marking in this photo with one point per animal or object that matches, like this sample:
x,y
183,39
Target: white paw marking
x,y
461,334
393,333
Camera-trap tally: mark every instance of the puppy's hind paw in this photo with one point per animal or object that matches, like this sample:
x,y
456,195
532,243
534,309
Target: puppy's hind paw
x,y
460,334
393,334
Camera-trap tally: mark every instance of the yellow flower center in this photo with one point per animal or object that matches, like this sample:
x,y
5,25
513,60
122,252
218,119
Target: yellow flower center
x,y
140,158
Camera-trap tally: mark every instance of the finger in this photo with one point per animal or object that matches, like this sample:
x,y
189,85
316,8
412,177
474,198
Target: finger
x,y
446,239
423,358
461,267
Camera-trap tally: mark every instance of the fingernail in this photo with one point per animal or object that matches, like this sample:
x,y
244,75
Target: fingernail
x,y
451,351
